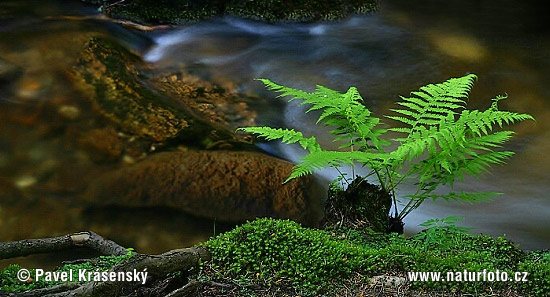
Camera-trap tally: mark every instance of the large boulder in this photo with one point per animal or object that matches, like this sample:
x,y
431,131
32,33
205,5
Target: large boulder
x,y
180,12
226,185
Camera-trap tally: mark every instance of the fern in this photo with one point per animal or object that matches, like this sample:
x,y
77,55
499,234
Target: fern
x,y
433,104
441,141
322,159
286,135
352,121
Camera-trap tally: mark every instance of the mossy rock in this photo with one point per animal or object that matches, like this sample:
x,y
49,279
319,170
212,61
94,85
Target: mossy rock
x,y
182,11
298,10
159,109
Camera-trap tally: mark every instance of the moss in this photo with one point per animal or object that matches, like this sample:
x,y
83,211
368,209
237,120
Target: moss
x,y
164,11
10,283
182,11
537,264
298,10
273,252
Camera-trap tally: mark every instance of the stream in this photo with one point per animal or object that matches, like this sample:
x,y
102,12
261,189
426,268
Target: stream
x,y
384,55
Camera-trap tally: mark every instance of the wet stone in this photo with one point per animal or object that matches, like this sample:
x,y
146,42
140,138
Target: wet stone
x,y
8,70
103,145
226,185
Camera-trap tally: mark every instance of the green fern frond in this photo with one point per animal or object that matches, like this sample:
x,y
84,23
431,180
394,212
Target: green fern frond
x,y
338,110
319,160
286,135
485,121
284,91
488,141
481,163
434,103
322,159
468,197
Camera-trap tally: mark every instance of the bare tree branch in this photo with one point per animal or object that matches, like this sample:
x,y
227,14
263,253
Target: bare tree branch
x,y
88,239
157,266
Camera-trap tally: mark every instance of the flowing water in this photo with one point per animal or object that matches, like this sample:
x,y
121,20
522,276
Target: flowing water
x,y
385,55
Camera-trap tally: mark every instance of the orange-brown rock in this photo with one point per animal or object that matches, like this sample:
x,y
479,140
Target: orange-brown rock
x,y
102,144
226,185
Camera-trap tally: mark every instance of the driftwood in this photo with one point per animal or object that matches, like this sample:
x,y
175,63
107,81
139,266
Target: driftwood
x,y
156,266
88,239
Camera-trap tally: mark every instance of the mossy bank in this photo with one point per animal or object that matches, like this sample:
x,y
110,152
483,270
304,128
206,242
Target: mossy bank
x,y
181,11
280,255
268,257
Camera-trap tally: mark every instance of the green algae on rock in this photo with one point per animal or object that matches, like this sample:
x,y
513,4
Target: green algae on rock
x,y
106,72
115,81
180,12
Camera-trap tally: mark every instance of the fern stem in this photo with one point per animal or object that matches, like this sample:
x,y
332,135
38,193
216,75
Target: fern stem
x,y
408,208
392,191
341,174
415,203
382,184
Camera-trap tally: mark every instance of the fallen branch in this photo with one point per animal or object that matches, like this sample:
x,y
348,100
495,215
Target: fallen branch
x,y
44,291
157,267
88,239
101,17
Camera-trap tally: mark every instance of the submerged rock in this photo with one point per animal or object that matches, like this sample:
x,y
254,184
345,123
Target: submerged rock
x,y
8,70
107,74
116,82
179,12
102,144
229,186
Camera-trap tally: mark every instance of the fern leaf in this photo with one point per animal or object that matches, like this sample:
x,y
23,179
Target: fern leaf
x,y
286,135
466,196
435,102
321,159
344,111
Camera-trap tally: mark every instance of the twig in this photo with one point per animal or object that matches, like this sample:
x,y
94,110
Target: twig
x,y
190,289
45,291
113,4
88,239
101,17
